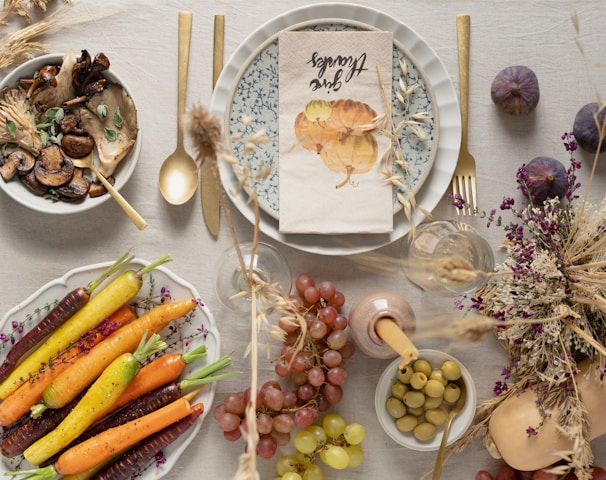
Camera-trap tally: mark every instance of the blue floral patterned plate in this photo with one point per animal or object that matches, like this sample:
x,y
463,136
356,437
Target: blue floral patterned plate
x,y
246,98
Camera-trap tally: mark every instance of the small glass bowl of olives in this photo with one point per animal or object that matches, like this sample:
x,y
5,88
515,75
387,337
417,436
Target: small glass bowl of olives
x,y
412,403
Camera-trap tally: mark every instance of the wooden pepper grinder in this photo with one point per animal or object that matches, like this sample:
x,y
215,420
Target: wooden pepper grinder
x,y
380,323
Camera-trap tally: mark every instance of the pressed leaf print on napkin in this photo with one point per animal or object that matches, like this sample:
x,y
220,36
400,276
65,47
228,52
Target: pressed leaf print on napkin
x,y
330,174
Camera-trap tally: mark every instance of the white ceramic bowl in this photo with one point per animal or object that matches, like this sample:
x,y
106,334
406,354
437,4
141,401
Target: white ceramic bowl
x,y
21,194
460,423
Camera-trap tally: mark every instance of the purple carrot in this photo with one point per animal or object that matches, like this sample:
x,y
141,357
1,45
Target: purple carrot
x,y
34,428
137,408
63,311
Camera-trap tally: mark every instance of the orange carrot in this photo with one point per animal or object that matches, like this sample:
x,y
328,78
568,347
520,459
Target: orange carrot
x,y
101,447
82,373
29,393
161,371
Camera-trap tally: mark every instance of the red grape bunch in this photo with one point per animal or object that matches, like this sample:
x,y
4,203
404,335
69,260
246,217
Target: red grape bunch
x,y
311,357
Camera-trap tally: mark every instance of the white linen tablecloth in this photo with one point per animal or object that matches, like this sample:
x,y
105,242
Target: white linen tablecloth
x,y
140,38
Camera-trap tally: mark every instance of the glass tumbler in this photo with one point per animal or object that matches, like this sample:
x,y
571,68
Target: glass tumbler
x,y
447,258
232,283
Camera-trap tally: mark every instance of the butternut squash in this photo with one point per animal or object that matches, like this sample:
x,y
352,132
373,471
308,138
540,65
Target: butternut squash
x,y
510,420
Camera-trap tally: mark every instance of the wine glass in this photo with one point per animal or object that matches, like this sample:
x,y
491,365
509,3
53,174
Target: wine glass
x,y
265,269
447,258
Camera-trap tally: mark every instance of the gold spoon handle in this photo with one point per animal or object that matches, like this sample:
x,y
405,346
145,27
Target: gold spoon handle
x,y
437,470
463,29
120,200
185,26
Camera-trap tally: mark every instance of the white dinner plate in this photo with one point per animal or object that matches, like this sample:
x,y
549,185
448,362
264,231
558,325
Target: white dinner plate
x,y
187,333
433,175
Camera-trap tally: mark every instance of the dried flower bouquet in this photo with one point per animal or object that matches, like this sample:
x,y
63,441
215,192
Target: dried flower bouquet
x,y
549,308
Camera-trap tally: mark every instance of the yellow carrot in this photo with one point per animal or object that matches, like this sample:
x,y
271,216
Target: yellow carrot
x,y
99,398
101,306
23,398
78,376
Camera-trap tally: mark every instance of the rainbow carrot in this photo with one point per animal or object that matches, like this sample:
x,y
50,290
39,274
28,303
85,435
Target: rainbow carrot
x,y
101,306
97,400
82,373
63,311
104,446
21,400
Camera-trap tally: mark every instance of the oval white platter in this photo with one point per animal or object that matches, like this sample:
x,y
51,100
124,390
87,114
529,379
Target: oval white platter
x,y
185,334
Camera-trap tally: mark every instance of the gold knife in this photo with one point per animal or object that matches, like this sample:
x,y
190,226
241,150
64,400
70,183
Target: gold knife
x,y
209,180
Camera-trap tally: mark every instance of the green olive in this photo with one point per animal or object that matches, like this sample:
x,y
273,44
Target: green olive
x,y
424,432
422,365
414,398
452,392
395,407
434,388
418,380
398,390
433,402
435,416
437,374
407,423
418,411
451,370
405,373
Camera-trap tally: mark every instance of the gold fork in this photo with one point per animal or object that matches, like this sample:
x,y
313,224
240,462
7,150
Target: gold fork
x,y
464,178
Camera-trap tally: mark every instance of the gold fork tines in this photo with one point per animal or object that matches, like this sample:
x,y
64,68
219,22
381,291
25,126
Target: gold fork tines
x,y
464,178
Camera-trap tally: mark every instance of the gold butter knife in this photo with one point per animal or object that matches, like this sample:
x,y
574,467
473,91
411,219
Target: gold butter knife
x,y
209,180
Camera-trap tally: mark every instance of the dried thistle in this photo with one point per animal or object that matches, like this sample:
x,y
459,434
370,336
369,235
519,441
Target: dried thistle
x,y
206,132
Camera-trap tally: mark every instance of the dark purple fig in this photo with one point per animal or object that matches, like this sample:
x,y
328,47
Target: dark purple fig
x,y
515,90
547,178
585,129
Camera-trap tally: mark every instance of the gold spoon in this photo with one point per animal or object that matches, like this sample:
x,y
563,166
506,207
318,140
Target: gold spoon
x,y
87,162
437,469
178,177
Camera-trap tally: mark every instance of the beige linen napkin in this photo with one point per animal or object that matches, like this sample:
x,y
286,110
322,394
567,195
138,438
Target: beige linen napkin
x,y
331,177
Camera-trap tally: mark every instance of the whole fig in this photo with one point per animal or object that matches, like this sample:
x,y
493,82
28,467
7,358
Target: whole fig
x,y
547,178
585,130
515,90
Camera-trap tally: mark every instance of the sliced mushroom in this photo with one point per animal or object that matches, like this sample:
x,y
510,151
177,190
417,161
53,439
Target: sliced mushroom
x,y
76,189
18,121
77,146
19,161
53,96
47,76
53,169
30,181
97,189
70,123
111,149
86,75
